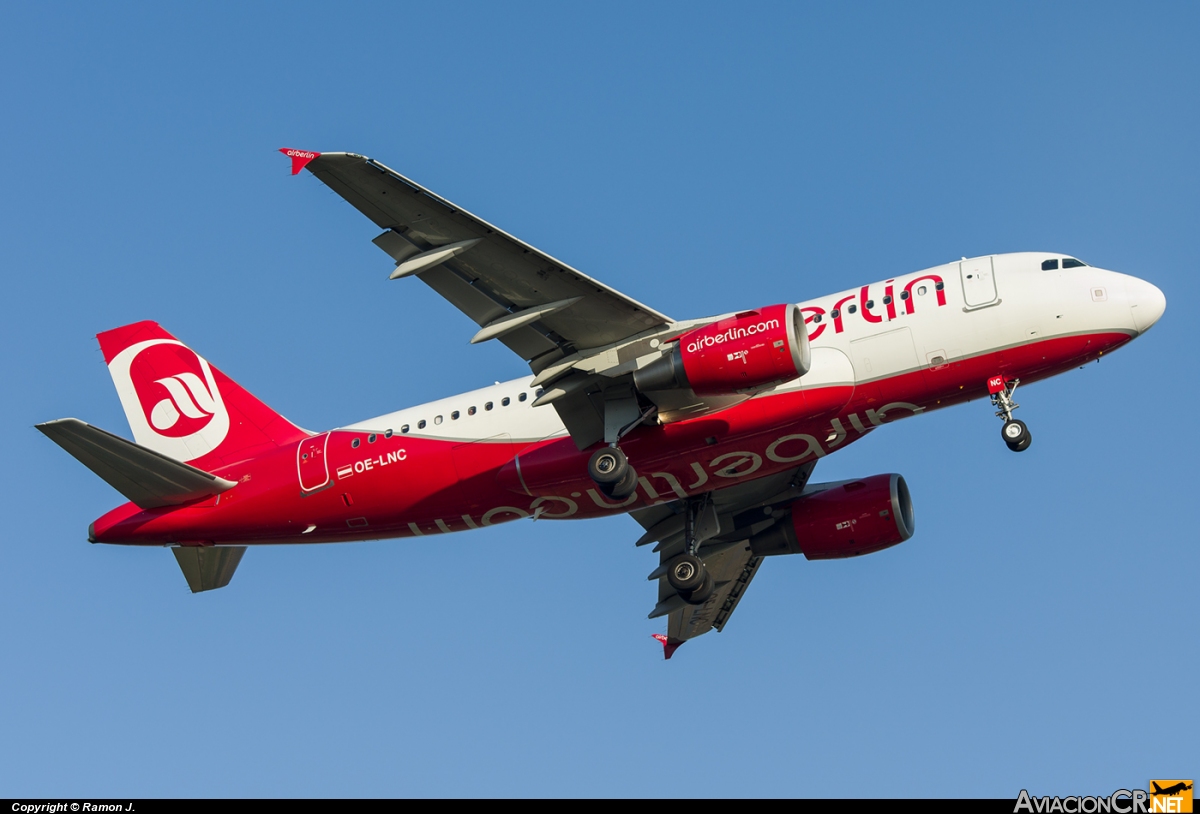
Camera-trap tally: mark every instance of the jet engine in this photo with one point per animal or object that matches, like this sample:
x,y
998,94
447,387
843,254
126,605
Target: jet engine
x,y
743,352
843,519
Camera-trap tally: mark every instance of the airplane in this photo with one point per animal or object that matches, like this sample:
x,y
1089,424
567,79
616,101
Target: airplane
x,y
705,430
1170,791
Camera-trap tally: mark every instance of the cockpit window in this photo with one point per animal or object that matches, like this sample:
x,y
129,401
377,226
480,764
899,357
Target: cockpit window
x,y
1072,263
1050,265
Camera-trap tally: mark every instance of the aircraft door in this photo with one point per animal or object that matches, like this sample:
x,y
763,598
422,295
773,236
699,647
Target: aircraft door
x,y
978,282
311,463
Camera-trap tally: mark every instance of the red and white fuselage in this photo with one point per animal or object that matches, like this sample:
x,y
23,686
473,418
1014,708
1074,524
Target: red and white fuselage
x,y
881,352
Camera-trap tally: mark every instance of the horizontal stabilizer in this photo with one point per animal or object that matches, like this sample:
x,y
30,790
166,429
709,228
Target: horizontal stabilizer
x,y
207,567
148,478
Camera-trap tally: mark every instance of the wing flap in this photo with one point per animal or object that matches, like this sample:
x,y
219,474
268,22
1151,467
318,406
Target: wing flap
x,y
147,478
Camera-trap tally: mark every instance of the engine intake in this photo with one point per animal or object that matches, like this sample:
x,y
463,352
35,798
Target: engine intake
x,y
746,351
845,519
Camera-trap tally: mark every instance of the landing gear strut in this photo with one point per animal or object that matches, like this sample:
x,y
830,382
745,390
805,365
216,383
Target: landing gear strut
x,y
687,574
1014,432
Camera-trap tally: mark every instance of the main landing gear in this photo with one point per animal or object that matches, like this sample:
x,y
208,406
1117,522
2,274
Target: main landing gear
x,y
609,467
611,471
1014,432
686,573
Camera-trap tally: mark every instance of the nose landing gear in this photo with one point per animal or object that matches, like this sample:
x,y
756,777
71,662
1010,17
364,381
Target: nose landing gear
x,y
1014,432
1016,435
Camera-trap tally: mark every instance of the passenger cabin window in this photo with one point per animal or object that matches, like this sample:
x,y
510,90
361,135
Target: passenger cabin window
x,y
354,444
1050,265
471,410
816,318
852,308
404,429
1072,263
835,313
454,416
421,424
487,406
371,438
921,290
504,402
387,433
437,419
522,397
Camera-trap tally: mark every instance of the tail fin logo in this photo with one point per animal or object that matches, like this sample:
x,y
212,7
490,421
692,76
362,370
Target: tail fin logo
x,y
188,397
171,398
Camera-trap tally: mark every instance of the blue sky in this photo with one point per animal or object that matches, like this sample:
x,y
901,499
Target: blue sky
x,y
1035,633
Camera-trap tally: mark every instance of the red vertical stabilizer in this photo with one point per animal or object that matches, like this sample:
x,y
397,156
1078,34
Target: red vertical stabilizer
x,y
180,405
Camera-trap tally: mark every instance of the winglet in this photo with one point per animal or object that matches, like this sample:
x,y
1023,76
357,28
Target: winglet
x,y
300,158
669,645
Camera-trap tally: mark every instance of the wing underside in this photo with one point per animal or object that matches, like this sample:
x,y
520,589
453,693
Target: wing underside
x,y
581,338
537,305
724,523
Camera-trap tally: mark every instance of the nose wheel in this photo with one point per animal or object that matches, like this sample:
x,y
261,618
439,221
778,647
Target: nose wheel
x,y
1016,435
1014,432
611,471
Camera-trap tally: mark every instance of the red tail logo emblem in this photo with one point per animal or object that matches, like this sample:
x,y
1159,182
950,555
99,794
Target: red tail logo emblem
x,y
177,408
180,403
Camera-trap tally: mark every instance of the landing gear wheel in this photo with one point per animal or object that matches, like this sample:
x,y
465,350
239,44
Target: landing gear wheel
x,y
608,465
687,573
1014,432
624,487
1023,444
701,594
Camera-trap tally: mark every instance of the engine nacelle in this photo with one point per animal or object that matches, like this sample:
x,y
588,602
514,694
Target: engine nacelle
x,y
844,520
743,352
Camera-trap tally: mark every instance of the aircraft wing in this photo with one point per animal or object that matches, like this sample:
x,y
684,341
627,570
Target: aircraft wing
x,y
725,524
538,306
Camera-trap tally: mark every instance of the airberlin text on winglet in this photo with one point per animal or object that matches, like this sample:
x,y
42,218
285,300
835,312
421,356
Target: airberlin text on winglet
x,y
300,158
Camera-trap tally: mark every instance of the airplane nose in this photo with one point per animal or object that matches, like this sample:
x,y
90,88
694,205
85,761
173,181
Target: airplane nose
x,y
1146,302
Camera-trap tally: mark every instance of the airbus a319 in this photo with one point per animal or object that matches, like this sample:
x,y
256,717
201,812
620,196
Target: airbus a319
x,y
705,430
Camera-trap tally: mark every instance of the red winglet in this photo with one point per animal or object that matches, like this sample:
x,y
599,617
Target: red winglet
x,y
669,645
300,158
